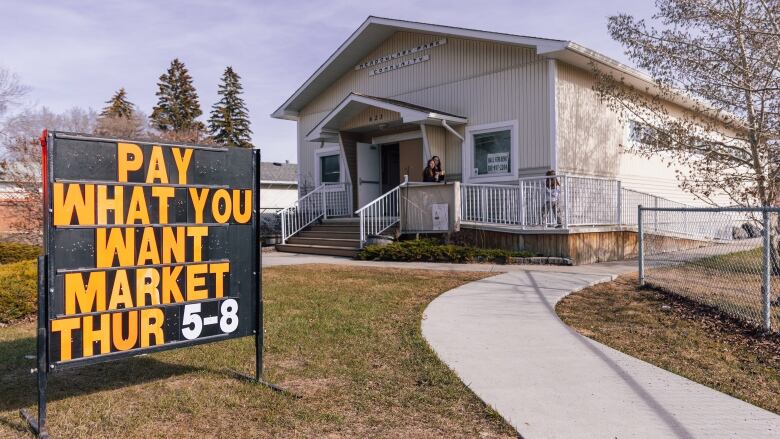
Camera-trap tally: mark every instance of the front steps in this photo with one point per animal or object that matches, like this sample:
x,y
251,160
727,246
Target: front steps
x,y
333,237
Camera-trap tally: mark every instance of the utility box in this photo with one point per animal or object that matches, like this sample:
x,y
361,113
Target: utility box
x,y
430,207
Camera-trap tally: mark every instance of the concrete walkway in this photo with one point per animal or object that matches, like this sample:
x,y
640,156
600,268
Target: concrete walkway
x,y
502,337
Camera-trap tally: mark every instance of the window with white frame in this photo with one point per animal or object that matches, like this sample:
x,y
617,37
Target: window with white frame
x,y
492,152
330,168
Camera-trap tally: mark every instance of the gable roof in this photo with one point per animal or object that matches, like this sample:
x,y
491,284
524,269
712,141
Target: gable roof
x,y
375,30
350,106
278,173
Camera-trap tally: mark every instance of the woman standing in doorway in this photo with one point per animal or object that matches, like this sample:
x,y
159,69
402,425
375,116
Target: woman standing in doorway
x,y
429,173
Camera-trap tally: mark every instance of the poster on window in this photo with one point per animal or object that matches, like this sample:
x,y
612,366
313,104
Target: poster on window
x,y
498,163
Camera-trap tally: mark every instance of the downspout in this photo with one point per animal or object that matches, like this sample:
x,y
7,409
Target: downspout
x,y
449,128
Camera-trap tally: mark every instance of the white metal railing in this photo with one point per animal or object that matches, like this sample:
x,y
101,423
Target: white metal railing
x,y
380,214
327,199
543,202
717,225
572,200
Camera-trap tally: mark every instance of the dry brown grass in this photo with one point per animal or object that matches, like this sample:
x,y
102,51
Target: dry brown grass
x,y
346,339
681,336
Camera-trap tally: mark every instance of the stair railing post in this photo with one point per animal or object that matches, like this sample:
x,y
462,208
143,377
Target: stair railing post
x,y
362,230
324,204
284,227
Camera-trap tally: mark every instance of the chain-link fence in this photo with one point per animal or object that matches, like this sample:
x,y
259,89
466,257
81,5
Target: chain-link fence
x,y
726,258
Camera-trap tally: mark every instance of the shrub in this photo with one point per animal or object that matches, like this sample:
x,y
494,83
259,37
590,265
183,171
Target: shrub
x,y
18,290
15,252
426,250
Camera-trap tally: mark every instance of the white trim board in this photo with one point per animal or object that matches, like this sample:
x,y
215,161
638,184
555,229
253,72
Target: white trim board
x,y
397,137
325,152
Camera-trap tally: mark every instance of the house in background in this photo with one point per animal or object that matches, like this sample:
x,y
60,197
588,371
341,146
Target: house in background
x,y
278,185
500,111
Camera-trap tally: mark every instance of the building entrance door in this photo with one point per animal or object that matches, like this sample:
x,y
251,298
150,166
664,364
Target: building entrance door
x,y
391,166
369,173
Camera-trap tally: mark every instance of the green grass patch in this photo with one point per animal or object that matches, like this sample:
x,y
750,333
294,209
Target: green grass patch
x,y
14,252
346,339
747,261
427,250
18,290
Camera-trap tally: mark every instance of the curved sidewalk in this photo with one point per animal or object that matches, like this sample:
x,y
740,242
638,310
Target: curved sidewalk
x,y
503,338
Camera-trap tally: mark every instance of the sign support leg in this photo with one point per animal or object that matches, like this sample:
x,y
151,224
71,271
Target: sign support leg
x,y
258,272
38,426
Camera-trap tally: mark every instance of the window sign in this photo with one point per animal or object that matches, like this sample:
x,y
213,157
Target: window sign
x,y
498,163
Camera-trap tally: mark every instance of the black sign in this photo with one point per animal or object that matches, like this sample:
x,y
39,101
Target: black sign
x,y
148,247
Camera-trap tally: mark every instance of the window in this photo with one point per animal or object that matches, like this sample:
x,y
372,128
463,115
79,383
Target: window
x,y
493,153
330,169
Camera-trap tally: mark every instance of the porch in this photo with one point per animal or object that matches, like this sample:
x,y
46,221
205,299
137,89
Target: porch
x,y
588,219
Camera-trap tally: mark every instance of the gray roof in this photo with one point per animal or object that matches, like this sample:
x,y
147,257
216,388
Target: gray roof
x,y
273,171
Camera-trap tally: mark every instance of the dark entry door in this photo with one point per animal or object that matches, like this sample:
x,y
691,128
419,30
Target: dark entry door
x,y
391,166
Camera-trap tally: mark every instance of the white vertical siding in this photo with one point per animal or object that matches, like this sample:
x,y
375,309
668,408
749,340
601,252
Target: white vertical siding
x,y
483,81
591,141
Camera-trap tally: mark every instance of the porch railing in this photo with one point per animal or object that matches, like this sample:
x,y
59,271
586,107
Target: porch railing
x,y
543,202
540,202
327,199
380,214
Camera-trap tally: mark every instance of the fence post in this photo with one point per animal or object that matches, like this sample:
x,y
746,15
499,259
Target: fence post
x,y
766,277
566,200
641,250
619,203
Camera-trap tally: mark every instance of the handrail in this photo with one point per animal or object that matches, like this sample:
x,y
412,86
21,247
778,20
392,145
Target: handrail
x,y
319,203
380,214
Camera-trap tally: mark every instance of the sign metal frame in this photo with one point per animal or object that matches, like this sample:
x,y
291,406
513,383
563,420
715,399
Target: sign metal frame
x,y
47,272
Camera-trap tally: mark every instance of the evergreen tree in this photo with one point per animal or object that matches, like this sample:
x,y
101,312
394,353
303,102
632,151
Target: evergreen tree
x,y
229,121
177,106
118,106
120,118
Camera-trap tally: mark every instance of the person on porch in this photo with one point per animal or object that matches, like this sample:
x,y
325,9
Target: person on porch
x,y
552,195
437,160
430,174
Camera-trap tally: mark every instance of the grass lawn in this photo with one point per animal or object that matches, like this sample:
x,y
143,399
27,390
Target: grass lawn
x,y
346,339
731,282
680,336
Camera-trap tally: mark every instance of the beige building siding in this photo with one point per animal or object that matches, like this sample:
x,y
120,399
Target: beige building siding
x,y
371,116
483,81
436,139
589,134
591,138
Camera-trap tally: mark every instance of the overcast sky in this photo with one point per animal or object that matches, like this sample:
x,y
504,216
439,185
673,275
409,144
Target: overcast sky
x,y
77,53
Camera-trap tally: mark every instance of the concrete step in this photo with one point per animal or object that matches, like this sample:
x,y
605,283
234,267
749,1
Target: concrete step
x,y
329,234
335,227
328,250
337,242
350,220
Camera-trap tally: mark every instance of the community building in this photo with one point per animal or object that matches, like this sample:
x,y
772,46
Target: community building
x,y
499,111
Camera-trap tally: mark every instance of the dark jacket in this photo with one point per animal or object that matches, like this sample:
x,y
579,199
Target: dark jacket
x,y
429,175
